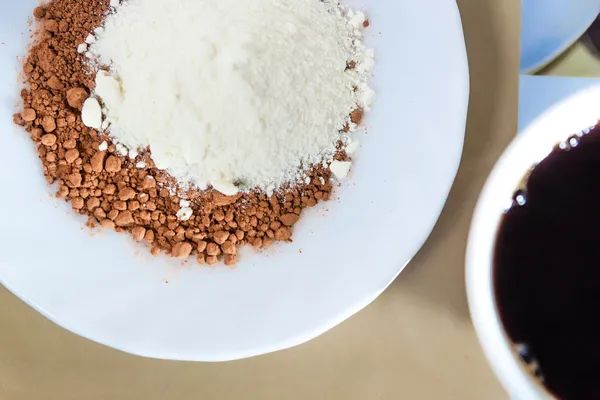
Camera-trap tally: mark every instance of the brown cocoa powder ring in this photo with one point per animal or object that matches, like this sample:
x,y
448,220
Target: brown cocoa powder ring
x,y
109,189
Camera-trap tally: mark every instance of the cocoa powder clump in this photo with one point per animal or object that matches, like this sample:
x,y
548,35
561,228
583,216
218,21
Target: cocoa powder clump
x,y
39,12
108,188
76,97
28,115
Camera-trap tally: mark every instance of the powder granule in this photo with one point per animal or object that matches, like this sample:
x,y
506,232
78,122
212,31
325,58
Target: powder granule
x,y
229,94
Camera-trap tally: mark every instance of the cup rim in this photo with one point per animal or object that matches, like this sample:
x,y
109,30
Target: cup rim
x,y
558,123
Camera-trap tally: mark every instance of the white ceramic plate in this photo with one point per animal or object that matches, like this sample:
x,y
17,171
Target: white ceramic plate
x,y
107,289
549,27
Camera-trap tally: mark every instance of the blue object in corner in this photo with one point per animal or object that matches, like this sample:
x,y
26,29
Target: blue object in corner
x,y
549,27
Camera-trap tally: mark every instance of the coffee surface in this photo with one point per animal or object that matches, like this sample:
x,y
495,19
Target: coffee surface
x,y
547,269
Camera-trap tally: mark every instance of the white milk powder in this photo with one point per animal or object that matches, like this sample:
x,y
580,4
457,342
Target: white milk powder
x,y
231,94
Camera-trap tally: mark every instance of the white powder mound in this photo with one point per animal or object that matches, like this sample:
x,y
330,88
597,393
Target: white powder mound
x,y
231,94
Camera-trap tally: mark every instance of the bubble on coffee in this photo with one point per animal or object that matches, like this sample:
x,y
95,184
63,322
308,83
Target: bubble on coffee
x,y
526,355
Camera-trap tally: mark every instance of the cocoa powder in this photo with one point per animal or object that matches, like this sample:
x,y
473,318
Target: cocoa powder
x,y
109,188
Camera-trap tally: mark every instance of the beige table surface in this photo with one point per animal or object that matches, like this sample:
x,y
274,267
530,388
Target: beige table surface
x,y
415,342
577,61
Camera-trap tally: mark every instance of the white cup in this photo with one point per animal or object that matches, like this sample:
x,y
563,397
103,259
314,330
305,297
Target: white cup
x,y
557,124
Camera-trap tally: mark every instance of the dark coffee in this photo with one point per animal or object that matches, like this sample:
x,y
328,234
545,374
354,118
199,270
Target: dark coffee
x,y
547,269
